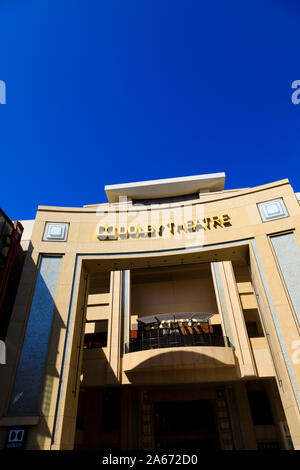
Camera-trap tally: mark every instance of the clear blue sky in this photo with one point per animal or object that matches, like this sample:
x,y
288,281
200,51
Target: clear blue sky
x,y
114,91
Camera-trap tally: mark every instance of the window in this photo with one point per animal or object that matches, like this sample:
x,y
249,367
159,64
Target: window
x,y
166,200
252,330
96,334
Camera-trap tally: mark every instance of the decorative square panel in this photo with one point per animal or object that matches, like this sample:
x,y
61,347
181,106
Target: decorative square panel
x,y
56,232
272,210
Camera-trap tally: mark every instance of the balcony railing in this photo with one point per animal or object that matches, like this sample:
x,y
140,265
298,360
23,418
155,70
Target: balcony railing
x,y
174,340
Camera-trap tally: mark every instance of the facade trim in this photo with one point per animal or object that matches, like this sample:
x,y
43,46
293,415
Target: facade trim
x,y
81,257
284,350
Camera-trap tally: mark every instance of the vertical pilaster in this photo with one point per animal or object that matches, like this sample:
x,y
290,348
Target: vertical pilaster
x,y
286,380
147,431
221,302
130,417
126,308
114,334
242,404
64,425
281,425
235,418
232,315
224,426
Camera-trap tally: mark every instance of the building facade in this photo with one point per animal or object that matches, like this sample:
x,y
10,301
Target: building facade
x,y
166,318
11,264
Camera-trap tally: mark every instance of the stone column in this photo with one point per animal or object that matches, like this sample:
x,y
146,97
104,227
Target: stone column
x,y
231,312
126,308
114,333
242,403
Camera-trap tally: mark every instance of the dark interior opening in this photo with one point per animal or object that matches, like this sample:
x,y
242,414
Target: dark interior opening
x,y
185,425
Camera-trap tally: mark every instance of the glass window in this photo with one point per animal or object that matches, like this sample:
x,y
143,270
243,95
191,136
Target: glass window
x,y
97,339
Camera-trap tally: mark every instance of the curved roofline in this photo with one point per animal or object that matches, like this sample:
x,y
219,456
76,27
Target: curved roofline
x,y
210,197
169,187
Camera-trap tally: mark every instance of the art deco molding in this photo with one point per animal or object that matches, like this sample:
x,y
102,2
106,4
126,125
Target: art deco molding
x,y
56,232
272,210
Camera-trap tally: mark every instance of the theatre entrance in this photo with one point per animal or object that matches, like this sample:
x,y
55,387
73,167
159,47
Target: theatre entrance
x,y
185,417
153,418
184,425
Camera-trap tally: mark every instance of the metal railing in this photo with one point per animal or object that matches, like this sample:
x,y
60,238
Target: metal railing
x,y
174,340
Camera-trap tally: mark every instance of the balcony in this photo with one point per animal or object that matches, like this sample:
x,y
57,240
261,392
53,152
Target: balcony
x,y
175,340
177,330
184,347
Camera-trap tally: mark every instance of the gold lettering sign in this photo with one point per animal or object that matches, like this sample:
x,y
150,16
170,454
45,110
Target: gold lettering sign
x,y
111,232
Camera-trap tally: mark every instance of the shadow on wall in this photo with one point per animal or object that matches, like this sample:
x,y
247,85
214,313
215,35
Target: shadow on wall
x,y
96,369
190,365
35,391
33,365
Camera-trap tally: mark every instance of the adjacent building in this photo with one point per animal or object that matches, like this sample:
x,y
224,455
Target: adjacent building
x,y
11,264
166,318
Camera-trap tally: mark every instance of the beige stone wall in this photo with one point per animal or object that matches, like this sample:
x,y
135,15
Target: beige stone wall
x,y
262,356
174,291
